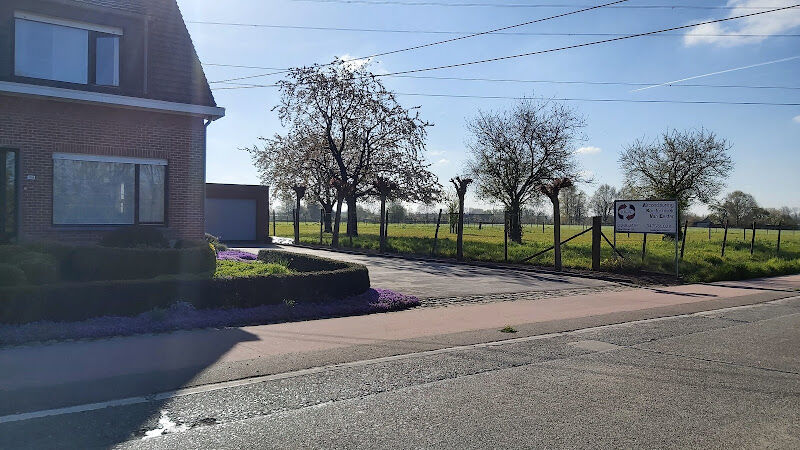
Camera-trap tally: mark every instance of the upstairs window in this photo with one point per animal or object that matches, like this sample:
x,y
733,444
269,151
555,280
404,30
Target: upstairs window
x,y
61,50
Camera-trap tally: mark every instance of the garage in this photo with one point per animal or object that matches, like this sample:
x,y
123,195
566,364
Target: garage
x,y
235,212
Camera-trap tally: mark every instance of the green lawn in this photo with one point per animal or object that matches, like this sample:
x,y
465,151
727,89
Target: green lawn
x,y
241,269
702,259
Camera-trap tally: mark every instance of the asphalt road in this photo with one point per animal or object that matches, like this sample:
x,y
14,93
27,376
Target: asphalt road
x,y
426,279
727,378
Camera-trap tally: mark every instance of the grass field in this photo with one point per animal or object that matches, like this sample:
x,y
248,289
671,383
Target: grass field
x,y
702,258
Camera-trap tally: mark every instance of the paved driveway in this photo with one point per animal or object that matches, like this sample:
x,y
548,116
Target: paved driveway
x,y
438,280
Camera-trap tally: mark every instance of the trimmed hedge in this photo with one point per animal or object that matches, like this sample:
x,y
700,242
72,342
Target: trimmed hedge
x,y
110,263
80,301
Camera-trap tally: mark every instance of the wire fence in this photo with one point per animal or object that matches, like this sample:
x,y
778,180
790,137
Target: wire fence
x,y
485,239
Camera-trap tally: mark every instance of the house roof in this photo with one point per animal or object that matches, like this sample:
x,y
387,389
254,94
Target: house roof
x,y
175,73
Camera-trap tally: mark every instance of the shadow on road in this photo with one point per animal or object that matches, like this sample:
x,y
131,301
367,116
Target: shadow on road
x,y
40,378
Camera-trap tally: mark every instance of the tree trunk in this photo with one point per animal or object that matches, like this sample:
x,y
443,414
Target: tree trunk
x,y
336,222
557,231
460,237
383,224
514,225
327,218
352,217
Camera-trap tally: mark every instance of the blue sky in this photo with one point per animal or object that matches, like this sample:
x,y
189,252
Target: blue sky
x,y
766,139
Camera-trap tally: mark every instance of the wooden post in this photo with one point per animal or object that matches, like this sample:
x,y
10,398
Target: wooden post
x,y
505,238
753,239
274,233
725,238
683,243
709,231
321,220
779,240
436,236
597,231
644,245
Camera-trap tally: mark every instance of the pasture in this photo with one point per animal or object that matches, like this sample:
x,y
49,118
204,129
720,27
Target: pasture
x,y
702,261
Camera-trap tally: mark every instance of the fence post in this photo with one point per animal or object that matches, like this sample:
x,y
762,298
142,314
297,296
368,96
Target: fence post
x,y
505,238
321,220
597,232
644,245
779,240
683,243
753,239
725,238
709,231
274,233
436,236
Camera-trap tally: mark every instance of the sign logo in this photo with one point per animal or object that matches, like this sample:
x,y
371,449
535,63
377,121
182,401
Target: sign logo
x,y
626,211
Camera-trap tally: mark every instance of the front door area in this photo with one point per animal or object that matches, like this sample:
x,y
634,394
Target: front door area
x,y
9,189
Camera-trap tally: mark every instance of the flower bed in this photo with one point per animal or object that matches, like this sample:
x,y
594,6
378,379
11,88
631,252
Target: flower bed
x,y
183,316
236,255
311,279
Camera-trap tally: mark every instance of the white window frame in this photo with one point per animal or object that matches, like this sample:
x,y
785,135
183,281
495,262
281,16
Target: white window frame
x,y
120,160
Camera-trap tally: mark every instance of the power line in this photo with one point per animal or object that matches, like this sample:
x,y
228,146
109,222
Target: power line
x,y
585,44
482,33
451,32
526,5
599,100
568,82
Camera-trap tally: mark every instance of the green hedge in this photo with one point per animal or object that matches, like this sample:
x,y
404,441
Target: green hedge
x,y
109,263
80,301
45,263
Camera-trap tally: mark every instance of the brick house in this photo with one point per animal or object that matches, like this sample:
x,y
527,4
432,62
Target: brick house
x,y
103,114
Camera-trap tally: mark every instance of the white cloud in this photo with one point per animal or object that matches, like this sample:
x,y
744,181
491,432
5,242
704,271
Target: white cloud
x,y
352,63
723,34
797,119
443,162
590,150
437,152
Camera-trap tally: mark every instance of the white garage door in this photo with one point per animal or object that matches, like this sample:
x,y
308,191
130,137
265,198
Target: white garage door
x,y
231,219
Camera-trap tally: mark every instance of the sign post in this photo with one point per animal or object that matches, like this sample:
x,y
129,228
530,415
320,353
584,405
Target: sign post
x,y
648,217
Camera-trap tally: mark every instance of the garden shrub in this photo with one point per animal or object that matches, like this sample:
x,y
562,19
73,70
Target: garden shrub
x,y
135,236
39,268
79,301
11,275
214,241
108,263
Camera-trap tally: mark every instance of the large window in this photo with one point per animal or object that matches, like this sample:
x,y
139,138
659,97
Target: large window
x,y
89,190
72,52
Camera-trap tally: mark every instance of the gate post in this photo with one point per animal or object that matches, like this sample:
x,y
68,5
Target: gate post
x,y
597,232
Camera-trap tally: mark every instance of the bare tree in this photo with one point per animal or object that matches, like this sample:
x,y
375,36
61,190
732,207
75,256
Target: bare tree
x,y
513,153
602,201
552,190
573,205
684,165
366,131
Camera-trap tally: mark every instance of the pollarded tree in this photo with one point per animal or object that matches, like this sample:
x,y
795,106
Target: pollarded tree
x,y
602,201
365,130
514,153
687,166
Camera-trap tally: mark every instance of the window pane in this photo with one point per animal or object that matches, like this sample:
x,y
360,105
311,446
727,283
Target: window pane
x,y
151,193
93,193
51,52
108,61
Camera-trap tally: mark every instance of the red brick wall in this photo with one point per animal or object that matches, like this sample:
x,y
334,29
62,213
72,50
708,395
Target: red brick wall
x,y
39,128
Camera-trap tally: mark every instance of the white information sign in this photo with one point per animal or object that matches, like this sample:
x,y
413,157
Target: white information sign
x,y
645,216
